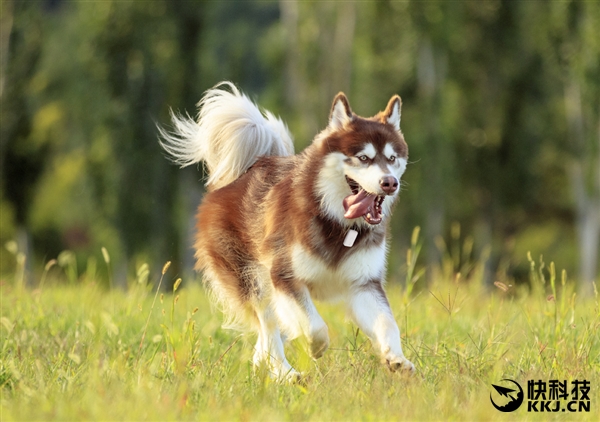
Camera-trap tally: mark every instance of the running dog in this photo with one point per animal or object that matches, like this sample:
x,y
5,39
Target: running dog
x,y
278,230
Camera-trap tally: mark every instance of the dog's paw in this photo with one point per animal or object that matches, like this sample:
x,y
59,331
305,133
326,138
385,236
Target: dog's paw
x,y
319,342
317,349
401,365
291,377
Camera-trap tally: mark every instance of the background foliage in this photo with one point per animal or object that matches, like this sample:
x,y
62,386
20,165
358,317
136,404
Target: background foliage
x,y
501,111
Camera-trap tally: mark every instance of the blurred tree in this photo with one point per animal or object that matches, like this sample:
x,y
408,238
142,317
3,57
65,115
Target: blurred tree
x,y
137,41
22,158
573,33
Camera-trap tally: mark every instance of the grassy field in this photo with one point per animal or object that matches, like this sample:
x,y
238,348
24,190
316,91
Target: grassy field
x,y
73,350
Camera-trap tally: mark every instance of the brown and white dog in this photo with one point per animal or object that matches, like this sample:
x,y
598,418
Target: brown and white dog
x,y
277,230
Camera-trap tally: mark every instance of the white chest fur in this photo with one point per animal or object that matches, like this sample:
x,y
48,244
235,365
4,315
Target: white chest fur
x,y
329,283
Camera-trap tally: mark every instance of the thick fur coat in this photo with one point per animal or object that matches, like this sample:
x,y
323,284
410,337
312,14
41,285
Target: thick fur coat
x,y
277,230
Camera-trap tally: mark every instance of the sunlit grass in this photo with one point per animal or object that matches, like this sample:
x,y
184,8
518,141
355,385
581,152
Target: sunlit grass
x,y
73,350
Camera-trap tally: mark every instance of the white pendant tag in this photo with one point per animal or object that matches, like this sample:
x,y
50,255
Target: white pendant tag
x,y
350,238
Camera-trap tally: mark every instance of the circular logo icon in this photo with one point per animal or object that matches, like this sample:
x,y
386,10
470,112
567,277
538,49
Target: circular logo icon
x,y
515,397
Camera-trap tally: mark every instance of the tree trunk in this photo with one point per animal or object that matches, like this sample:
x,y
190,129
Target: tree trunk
x,y
431,70
587,195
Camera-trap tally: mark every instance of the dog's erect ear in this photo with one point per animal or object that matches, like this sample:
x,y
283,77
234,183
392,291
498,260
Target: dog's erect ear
x,y
341,114
393,111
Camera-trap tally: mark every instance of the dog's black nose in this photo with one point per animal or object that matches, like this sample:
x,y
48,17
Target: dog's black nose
x,y
388,184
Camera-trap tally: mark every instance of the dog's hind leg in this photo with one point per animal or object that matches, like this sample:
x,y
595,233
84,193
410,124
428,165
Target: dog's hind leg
x,y
370,310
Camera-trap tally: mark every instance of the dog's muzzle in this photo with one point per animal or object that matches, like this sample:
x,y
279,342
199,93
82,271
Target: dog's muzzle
x,y
365,204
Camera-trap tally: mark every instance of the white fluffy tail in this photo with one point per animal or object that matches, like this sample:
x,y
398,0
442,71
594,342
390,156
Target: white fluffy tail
x,y
229,136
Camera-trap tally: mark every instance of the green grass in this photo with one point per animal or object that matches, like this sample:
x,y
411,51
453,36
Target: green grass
x,y
76,351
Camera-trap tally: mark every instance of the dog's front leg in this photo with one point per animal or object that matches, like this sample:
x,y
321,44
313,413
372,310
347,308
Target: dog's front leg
x,y
299,316
269,347
295,309
370,310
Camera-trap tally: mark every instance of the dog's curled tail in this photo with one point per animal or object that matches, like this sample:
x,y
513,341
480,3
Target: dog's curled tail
x,y
229,136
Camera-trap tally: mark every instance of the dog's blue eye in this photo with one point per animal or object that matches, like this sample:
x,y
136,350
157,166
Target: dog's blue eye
x,y
362,157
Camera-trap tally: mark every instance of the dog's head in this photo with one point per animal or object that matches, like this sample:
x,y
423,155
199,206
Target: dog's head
x,y
364,159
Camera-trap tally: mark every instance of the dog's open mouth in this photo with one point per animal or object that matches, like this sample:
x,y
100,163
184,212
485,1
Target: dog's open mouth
x,y
363,204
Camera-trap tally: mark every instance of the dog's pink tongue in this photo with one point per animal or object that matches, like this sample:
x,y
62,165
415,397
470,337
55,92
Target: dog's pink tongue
x,y
358,205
